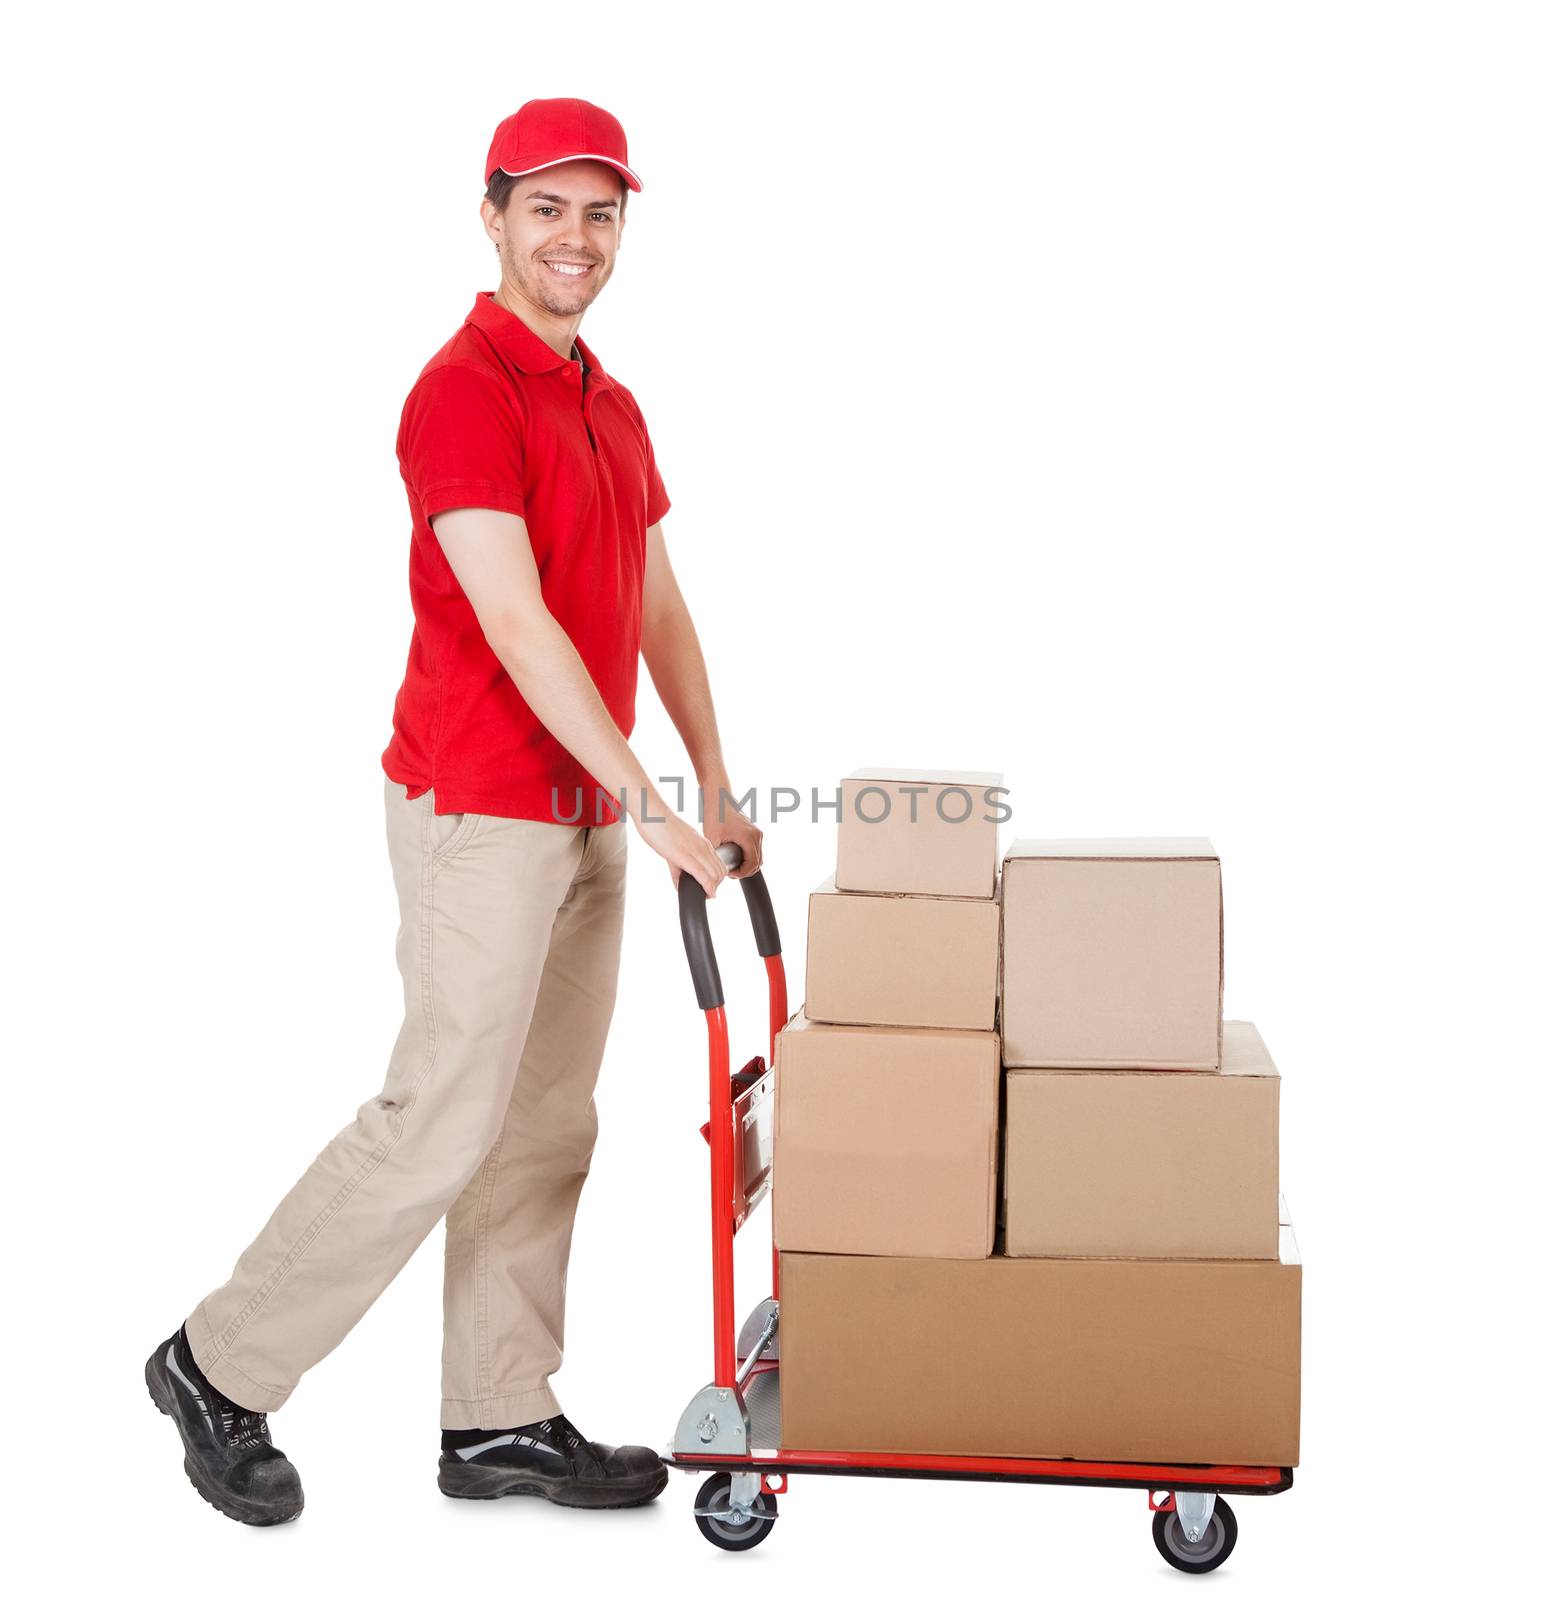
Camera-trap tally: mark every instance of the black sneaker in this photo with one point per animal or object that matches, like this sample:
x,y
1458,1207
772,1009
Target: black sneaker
x,y
227,1450
547,1458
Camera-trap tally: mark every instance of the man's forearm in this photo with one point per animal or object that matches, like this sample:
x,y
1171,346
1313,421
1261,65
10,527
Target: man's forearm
x,y
674,657
548,672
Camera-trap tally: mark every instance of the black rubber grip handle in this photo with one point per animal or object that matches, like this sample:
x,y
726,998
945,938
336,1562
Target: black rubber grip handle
x,y
763,923
698,937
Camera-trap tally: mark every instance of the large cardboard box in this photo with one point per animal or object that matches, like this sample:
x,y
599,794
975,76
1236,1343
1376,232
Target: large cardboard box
x,y
1180,1362
886,1140
912,830
1145,1163
909,961
1112,953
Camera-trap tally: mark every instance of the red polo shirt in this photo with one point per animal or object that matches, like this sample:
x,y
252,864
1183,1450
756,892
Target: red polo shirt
x,y
498,419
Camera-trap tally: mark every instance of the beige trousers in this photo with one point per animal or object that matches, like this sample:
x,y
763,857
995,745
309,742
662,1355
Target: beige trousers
x,y
509,946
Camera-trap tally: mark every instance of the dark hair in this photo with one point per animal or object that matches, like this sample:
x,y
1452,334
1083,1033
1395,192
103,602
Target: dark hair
x,y
500,187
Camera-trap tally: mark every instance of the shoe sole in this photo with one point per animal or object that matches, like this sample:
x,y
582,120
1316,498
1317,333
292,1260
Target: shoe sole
x,y
230,1505
461,1481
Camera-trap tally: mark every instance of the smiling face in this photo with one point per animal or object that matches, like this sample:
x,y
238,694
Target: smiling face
x,y
557,234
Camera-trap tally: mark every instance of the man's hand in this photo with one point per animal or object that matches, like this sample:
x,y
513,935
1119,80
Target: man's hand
x,y
683,847
724,821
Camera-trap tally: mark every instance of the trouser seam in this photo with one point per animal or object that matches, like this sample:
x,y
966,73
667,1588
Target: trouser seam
x,y
482,1255
375,1158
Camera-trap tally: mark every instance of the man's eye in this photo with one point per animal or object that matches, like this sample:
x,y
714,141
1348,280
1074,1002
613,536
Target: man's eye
x,y
539,209
602,216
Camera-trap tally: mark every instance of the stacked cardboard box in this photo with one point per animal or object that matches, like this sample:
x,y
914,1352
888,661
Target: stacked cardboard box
x,y
887,1133
1137,1296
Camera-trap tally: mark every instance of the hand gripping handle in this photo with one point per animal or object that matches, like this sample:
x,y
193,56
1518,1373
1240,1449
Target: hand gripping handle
x,y
699,939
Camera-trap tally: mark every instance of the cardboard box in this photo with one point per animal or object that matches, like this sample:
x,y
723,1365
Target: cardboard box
x,y
1111,953
1179,1362
908,961
1145,1163
887,1140
910,830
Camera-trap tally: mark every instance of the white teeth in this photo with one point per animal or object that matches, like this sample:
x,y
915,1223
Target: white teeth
x,y
570,269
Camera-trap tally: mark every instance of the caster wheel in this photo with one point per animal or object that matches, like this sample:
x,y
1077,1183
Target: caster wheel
x,y
719,1524
1202,1555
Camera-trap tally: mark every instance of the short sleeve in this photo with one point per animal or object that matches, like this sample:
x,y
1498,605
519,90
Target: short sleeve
x,y
461,444
658,500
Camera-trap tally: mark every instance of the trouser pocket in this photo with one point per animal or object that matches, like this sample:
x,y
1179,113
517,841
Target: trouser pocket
x,y
448,834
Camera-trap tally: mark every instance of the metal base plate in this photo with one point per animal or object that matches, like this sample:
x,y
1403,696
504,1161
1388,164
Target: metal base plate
x,y
714,1423
762,1402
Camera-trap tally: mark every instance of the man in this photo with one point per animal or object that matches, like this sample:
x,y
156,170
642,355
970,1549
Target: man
x,y
538,571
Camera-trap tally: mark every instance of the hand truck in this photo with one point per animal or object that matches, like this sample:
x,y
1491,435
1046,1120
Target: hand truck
x,y
732,1427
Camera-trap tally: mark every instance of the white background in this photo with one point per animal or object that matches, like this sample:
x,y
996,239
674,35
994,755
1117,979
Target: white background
x,y
1150,402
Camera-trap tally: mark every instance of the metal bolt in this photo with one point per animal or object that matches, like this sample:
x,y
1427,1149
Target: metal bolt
x,y
707,1428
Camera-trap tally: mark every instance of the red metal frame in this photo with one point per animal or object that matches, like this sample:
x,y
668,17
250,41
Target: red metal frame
x,y
721,1141
777,1002
1015,1469
1152,1476
777,1016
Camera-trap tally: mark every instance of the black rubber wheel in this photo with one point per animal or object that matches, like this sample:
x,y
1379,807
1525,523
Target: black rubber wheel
x,y
1178,1551
713,1497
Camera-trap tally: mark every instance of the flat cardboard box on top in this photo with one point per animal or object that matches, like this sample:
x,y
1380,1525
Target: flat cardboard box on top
x,y
1111,954
911,830
1148,1164
908,961
1160,1361
886,1141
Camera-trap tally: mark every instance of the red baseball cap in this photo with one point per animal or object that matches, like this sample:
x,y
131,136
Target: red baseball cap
x,y
544,133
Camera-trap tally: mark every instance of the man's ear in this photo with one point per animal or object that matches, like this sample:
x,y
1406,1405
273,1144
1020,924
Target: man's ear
x,y
491,221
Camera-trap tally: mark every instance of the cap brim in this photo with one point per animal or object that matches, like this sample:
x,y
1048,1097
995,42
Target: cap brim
x,y
633,182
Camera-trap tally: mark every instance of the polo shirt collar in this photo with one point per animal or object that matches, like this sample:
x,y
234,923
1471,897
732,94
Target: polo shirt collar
x,y
598,377
523,346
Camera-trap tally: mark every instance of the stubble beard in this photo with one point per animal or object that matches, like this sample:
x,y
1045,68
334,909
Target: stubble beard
x,y
536,283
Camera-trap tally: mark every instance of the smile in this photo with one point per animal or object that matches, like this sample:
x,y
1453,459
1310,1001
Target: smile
x,y
570,269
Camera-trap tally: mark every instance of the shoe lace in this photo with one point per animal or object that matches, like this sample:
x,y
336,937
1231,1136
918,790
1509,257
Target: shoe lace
x,y
244,1429
567,1438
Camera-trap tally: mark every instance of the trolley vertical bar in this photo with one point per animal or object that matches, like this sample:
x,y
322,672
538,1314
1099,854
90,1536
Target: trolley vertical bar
x,y
777,1017
720,1132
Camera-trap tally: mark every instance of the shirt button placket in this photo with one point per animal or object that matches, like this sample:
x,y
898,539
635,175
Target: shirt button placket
x,y
583,405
